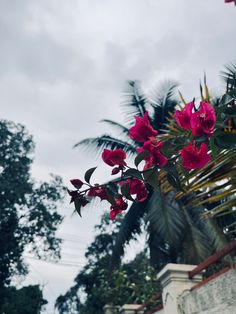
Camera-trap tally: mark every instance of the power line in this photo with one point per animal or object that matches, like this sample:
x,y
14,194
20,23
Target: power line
x,y
72,255
66,263
75,241
62,234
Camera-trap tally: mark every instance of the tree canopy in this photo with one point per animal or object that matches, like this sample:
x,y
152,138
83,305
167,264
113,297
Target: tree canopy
x,y
27,300
97,284
28,213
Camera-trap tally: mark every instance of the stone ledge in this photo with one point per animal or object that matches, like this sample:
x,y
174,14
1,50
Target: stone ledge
x,y
177,273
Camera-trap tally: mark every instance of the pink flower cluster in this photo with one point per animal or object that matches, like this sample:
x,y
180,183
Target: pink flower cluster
x,y
200,122
143,132
197,122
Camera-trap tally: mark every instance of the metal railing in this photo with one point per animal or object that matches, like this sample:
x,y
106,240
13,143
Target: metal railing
x,y
231,247
143,307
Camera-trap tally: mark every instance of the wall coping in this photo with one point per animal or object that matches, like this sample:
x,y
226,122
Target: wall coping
x,y
131,306
177,273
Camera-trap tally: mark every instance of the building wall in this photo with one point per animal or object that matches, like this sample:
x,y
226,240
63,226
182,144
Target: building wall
x,y
160,312
218,296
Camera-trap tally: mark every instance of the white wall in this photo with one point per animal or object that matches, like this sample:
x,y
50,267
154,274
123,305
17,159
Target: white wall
x,y
218,296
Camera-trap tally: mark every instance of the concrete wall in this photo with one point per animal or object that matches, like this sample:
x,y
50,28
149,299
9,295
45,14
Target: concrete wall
x,y
160,312
218,296
182,295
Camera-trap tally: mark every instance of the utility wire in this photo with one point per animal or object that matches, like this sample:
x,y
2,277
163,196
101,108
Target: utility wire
x,y
66,263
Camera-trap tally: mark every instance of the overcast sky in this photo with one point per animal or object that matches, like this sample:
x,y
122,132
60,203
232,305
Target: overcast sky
x,y
63,67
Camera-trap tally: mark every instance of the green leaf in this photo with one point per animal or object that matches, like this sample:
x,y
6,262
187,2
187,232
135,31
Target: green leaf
x,y
133,173
88,174
151,177
174,182
113,188
226,140
110,197
201,139
232,93
78,206
227,98
230,110
213,147
140,157
125,191
173,176
125,188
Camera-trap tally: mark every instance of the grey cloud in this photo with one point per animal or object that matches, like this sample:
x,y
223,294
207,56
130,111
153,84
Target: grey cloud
x,y
63,66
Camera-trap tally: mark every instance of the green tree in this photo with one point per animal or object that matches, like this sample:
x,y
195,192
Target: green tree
x,y
27,300
133,282
28,215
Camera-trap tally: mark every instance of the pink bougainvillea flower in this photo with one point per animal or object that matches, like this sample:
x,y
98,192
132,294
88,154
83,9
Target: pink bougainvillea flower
x,y
153,145
183,117
156,157
142,195
137,187
114,213
119,207
228,1
114,157
77,183
98,191
142,130
203,121
194,157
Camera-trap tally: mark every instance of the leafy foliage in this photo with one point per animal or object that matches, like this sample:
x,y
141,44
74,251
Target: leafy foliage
x,y
106,141
163,102
229,76
129,228
27,300
135,103
28,215
133,282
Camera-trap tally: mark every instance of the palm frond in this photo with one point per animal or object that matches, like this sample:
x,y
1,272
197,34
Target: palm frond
x,y
97,144
214,185
211,228
165,91
215,233
196,243
163,102
121,128
159,251
135,103
129,228
164,217
229,75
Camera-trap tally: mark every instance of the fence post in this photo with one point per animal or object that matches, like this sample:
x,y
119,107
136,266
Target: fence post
x,y
175,280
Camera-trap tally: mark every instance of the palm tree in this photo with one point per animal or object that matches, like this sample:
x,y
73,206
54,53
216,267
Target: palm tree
x,y
175,233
